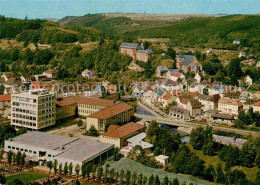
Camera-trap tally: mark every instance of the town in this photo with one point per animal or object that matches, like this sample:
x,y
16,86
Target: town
x,y
126,111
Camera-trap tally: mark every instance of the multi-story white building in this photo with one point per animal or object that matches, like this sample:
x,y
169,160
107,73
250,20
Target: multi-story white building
x,y
33,109
230,106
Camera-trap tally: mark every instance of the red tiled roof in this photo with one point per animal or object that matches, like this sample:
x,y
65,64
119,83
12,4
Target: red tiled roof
x,y
257,104
111,111
6,97
36,85
176,74
167,96
123,131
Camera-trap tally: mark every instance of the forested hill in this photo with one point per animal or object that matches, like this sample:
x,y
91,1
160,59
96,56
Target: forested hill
x,y
208,32
45,32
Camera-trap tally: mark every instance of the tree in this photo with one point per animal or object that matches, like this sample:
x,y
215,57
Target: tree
x,y
17,182
2,179
234,71
77,170
14,158
156,180
65,169
116,177
128,177
144,182
134,178
172,53
60,168
70,168
139,179
21,131
10,157
151,179
83,171
18,158
197,138
100,173
2,155
219,174
88,170
175,181
55,166
50,165
166,180
111,175
122,176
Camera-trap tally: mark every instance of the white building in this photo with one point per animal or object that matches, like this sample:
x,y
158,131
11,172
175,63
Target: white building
x,y
163,159
35,109
45,146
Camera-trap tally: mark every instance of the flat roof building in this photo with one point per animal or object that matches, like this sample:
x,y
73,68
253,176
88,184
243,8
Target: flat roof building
x,y
33,109
45,146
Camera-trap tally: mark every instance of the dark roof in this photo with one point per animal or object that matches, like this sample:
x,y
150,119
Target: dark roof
x,y
178,110
223,116
195,103
148,51
170,82
187,59
130,45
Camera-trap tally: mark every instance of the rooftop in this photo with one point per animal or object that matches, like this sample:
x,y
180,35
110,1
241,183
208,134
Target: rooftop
x,y
138,140
130,45
123,131
6,97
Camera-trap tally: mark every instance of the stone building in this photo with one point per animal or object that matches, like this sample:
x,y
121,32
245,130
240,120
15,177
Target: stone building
x,y
188,63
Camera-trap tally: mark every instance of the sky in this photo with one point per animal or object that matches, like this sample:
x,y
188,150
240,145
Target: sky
x,y
60,8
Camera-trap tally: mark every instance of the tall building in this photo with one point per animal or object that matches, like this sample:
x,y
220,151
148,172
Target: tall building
x,y
33,110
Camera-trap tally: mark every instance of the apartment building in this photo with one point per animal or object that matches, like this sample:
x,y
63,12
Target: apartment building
x,y
33,109
230,106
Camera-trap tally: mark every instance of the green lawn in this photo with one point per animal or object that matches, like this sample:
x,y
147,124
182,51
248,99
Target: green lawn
x,y
26,177
251,173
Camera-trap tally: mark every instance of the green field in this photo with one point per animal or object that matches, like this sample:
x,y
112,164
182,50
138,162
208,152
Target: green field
x,y
127,164
26,177
251,173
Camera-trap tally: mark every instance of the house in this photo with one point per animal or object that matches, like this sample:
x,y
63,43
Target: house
x,y
188,63
176,76
256,106
179,113
236,41
5,106
163,159
249,62
242,54
248,80
50,73
161,71
194,107
144,55
27,78
43,46
41,77
170,85
210,50
223,118
117,135
135,51
230,106
194,87
244,96
170,72
137,140
36,85
88,74
198,77
167,98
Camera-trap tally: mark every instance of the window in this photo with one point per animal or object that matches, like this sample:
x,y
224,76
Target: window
x,y
9,147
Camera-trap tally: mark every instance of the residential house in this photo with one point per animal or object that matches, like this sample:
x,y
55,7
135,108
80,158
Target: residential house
x,y
177,76
161,71
5,106
117,135
163,159
179,113
244,96
223,118
248,80
50,73
170,72
194,107
230,106
249,62
194,87
188,63
198,77
242,54
144,55
256,106
167,99
170,85
88,74
236,41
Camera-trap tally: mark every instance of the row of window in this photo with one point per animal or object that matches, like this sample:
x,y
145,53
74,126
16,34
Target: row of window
x,y
21,149
24,123
86,111
89,106
24,111
24,116
25,105
49,98
23,99
47,110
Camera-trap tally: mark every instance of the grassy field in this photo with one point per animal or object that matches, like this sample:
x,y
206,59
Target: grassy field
x,y
251,173
26,177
